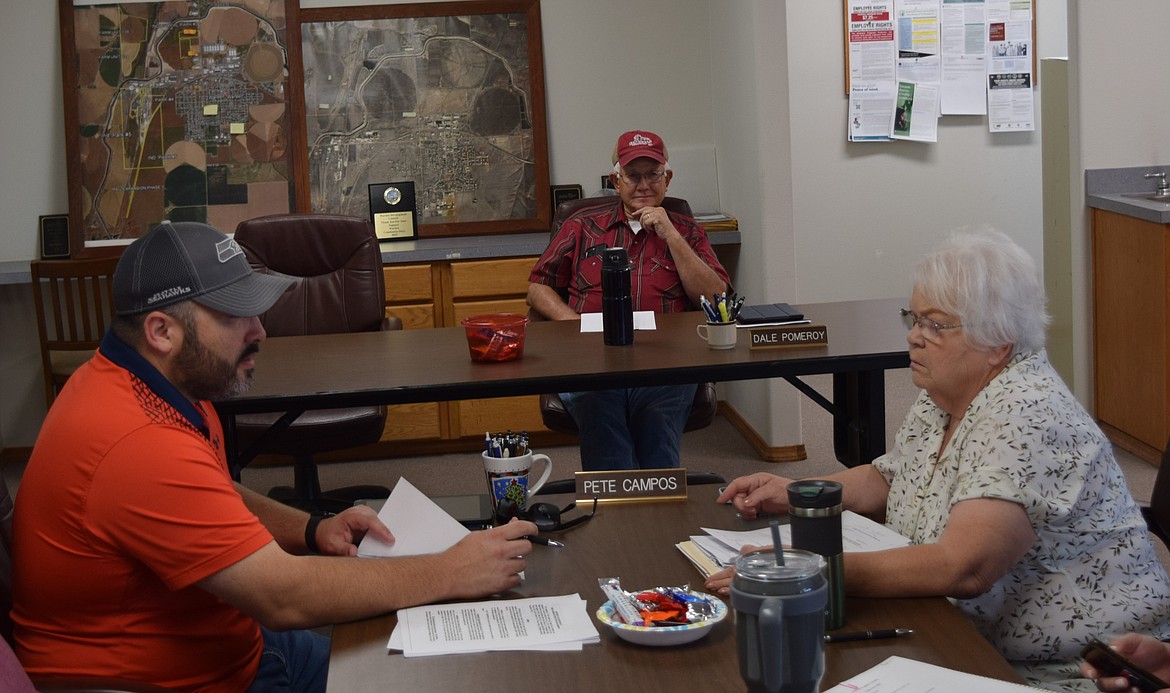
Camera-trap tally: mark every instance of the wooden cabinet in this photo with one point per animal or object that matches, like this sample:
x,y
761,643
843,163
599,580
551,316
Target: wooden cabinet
x,y
1131,324
441,294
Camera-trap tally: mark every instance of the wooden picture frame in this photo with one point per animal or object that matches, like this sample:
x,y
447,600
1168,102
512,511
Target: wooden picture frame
x,y
175,116
449,95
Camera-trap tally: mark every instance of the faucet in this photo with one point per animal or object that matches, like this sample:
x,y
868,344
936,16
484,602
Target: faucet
x,y
1163,186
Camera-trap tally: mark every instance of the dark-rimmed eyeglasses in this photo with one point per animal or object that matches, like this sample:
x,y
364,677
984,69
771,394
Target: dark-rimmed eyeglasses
x,y
930,329
546,516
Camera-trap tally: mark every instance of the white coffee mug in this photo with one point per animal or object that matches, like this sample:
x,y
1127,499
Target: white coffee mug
x,y
718,335
512,477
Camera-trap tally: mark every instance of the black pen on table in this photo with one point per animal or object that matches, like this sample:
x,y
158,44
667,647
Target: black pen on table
x,y
869,635
544,542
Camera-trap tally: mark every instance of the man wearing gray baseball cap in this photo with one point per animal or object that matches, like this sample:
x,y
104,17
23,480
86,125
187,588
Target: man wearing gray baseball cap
x,y
137,556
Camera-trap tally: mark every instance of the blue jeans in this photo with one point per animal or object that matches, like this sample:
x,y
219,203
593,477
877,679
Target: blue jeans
x,y
631,428
294,661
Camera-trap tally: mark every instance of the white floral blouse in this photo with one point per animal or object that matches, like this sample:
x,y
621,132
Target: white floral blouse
x,y
1092,571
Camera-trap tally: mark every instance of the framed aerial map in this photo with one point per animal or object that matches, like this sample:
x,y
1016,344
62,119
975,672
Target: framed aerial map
x,y
447,95
176,110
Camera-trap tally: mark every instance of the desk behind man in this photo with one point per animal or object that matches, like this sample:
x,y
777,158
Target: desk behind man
x,y
672,265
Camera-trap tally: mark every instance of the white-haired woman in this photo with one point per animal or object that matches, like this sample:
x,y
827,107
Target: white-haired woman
x,y
1006,487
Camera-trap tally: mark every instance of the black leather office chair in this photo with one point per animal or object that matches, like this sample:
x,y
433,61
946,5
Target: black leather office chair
x,y
1157,513
341,289
552,409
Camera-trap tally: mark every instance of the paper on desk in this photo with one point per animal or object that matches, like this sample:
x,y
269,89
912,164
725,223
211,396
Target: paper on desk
x,y
858,533
643,320
901,675
419,525
539,623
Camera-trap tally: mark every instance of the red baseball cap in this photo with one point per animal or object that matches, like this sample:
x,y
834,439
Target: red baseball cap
x,y
638,143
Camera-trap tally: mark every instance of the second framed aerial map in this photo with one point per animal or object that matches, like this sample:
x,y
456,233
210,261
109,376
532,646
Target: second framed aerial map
x,y
447,95
176,110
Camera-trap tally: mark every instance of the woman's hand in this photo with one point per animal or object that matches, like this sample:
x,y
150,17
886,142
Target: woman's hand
x,y
761,492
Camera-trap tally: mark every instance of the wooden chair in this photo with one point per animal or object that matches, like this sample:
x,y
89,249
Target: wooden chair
x,y
74,305
552,410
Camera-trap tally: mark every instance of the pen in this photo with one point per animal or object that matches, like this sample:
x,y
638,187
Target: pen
x,y
869,635
544,542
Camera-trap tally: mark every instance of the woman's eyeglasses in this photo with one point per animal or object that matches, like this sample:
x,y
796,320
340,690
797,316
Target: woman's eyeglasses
x,y
546,516
930,329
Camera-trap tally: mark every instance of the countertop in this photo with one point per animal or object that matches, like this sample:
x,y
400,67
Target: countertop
x,y
1105,188
423,250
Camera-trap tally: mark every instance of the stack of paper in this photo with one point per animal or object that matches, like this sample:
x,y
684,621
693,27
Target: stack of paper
x,y
541,623
718,548
901,675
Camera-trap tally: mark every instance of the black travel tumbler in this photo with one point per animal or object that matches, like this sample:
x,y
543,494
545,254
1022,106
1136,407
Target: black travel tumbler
x,y
814,509
617,301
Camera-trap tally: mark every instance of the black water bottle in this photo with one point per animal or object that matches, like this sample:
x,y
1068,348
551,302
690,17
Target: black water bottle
x,y
617,301
814,510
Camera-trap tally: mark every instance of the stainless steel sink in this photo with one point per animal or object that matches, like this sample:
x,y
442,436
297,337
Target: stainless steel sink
x,y
1150,196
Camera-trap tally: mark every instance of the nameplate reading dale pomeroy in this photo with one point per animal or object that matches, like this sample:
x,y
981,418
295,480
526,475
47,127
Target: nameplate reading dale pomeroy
x,y
780,336
640,484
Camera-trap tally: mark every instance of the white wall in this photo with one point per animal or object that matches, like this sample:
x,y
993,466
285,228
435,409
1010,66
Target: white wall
x,y
1117,119
840,221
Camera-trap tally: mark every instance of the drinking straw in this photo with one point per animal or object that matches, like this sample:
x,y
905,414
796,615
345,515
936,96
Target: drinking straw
x,y
777,547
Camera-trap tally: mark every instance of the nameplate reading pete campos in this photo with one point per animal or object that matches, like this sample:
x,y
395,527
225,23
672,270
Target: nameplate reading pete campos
x,y
638,484
779,337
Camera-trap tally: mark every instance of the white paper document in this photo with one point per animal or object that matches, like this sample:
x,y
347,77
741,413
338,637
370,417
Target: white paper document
x,y
858,533
540,623
901,675
420,526
643,320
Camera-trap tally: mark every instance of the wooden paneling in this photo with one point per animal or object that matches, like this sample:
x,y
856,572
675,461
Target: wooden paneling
x,y
474,417
410,295
408,284
413,421
440,295
482,278
1131,291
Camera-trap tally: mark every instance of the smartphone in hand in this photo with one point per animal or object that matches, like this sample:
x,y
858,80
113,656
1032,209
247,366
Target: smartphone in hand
x,y
1106,660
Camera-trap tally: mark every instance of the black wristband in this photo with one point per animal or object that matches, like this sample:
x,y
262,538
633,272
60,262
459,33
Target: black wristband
x,y
315,518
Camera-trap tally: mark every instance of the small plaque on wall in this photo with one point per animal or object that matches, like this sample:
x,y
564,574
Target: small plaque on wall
x,y
393,212
54,231
565,193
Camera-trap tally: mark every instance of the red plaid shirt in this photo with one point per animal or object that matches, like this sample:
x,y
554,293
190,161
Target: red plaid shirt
x,y
656,283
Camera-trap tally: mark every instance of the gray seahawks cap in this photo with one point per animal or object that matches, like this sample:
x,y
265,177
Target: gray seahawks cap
x,y
188,260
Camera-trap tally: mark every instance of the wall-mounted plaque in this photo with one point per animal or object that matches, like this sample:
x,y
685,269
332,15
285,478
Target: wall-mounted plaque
x,y
54,230
565,193
392,210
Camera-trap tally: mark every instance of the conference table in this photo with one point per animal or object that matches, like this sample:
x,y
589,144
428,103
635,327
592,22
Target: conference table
x,y
295,374
635,541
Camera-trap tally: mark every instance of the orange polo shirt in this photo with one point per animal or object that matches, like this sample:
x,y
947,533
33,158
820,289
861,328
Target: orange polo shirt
x,y
125,505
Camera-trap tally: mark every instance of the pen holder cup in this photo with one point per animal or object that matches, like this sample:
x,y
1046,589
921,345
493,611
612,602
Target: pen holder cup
x,y
495,336
513,478
718,335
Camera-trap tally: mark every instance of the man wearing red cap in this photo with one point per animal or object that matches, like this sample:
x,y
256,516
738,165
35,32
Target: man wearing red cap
x,y
672,264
